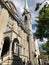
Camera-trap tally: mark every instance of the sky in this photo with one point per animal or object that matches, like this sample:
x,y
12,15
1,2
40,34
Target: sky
x,y
20,8
19,4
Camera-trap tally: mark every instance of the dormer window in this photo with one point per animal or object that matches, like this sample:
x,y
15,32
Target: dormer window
x,y
25,18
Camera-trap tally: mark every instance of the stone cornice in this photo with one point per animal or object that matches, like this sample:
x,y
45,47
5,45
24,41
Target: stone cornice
x,y
12,14
9,10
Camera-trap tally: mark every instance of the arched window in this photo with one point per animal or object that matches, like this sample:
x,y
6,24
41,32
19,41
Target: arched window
x,y
6,46
15,46
25,18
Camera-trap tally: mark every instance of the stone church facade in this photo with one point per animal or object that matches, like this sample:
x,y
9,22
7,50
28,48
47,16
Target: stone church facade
x,y
16,38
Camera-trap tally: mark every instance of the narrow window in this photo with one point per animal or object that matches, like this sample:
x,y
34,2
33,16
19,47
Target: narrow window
x,y
20,49
15,46
23,51
0,9
25,18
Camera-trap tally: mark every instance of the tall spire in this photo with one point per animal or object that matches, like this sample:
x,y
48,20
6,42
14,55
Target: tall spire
x,y
26,6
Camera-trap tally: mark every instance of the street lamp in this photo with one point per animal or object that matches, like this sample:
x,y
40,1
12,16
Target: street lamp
x,y
38,5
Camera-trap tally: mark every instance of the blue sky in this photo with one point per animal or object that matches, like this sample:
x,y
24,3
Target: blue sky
x,y
20,8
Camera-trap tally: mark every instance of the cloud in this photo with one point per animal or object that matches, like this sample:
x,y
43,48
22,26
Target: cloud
x,y
42,42
45,40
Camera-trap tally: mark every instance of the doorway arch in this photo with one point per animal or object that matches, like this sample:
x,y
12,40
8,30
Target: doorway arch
x,y
6,46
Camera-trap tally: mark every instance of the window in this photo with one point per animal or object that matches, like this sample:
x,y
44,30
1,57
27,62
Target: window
x,y
25,18
0,9
23,51
20,49
6,46
15,46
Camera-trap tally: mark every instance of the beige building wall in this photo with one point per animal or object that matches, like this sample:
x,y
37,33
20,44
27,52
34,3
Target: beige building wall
x,y
9,27
20,34
3,22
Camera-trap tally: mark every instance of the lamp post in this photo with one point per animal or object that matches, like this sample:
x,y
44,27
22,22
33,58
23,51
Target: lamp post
x,y
39,4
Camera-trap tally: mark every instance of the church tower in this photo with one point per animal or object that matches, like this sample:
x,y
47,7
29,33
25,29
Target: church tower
x,y
26,20
26,17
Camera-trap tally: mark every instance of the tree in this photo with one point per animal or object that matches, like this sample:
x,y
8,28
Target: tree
x,y
38,5
46,47
43,23
43,26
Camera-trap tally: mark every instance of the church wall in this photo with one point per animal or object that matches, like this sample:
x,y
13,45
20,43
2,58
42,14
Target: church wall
x,y
23,43
14,30
15,26
3,22
21,37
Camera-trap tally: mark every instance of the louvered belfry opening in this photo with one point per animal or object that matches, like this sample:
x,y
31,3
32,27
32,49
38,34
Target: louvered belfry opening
x,y
25,18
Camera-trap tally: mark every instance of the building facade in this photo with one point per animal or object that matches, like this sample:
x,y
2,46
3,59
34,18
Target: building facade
x,y
37,51
16,38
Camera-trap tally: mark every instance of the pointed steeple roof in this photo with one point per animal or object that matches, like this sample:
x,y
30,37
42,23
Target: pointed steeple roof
x,y
26,6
